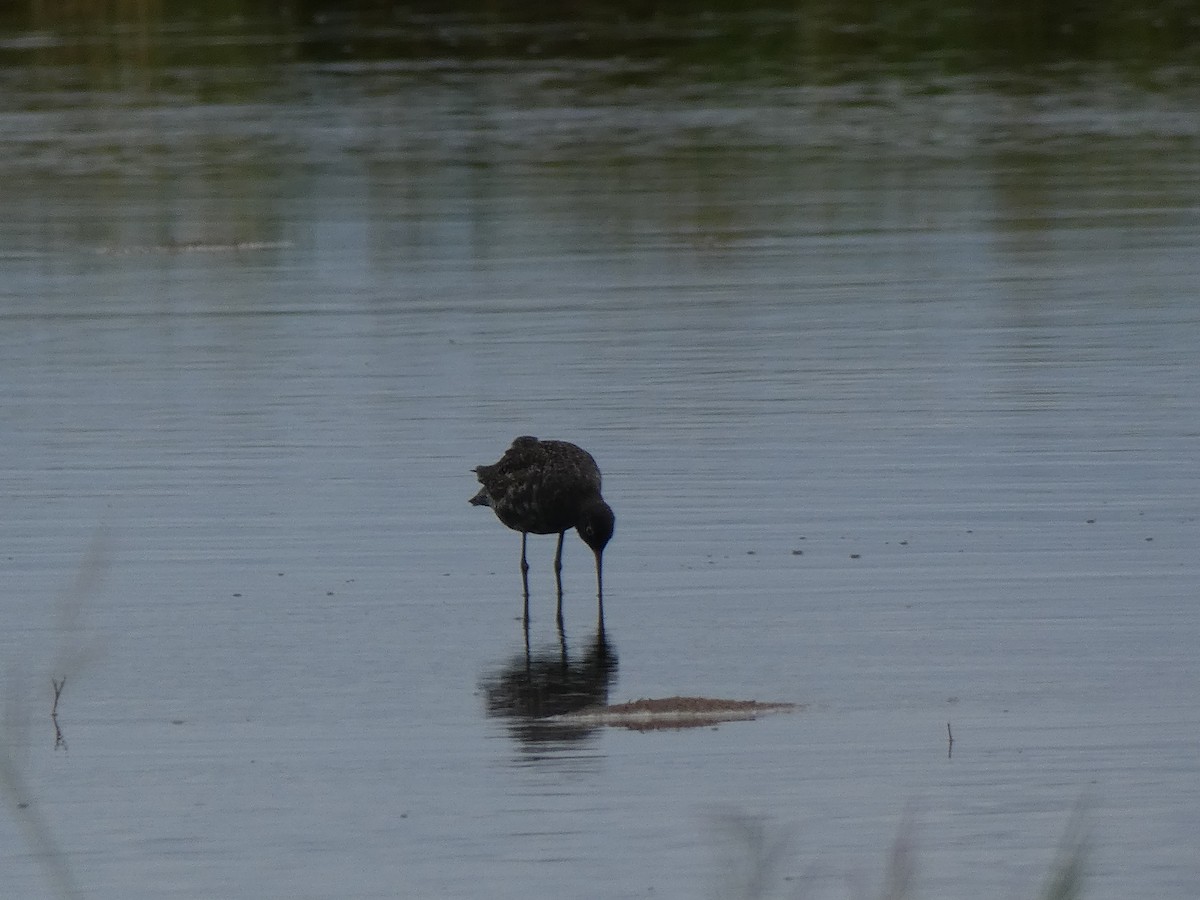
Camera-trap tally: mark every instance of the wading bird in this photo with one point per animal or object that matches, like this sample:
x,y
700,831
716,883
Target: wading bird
x,y
548,487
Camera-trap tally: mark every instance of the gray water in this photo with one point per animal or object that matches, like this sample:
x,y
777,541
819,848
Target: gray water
x,y
895,392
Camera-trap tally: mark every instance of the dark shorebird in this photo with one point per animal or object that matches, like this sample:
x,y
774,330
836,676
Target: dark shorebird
x,y
548,487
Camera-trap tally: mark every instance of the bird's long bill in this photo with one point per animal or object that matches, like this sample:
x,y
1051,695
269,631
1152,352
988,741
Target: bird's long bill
x,y
599,575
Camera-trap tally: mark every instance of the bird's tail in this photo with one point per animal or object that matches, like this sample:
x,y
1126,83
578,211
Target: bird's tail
x,y
481,499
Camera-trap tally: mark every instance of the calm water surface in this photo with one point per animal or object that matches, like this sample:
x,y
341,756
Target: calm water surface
x,y
896,397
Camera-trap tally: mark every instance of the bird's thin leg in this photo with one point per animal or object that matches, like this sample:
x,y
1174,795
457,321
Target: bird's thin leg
x,y
525,575
558,573
600,591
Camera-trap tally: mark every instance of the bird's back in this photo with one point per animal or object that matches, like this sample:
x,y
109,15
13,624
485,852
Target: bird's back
x,y
540,486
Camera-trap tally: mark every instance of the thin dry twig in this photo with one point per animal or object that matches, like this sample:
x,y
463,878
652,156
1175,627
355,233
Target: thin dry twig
x,y
60,742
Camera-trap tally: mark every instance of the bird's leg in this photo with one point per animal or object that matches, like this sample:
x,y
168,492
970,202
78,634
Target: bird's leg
x,y
600,591
525,576
558,573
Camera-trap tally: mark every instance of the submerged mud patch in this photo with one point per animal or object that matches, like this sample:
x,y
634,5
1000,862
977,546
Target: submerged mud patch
x,y
673,713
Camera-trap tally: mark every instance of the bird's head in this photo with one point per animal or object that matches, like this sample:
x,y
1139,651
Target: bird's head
x,y
596,523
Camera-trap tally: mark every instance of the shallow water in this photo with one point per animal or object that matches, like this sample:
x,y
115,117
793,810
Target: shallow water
x,y
895,394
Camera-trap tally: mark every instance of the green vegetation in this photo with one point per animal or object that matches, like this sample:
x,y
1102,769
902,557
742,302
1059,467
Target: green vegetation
x,y
757,856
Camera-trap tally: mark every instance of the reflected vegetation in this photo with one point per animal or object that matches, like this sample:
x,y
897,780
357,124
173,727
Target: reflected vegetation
x,y
537,684
814,38
748,125
419,122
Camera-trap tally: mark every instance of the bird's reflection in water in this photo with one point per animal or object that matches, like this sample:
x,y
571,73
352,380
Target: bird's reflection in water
x,y
538,684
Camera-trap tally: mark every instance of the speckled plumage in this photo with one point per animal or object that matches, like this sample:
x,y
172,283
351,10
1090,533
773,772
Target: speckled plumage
x,y
539,486
548,487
